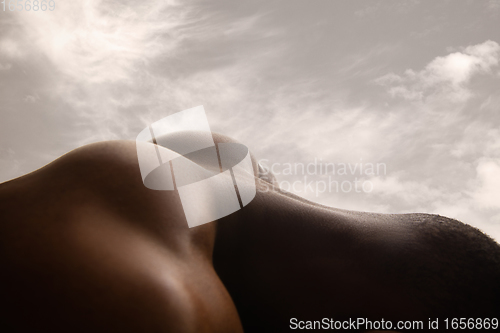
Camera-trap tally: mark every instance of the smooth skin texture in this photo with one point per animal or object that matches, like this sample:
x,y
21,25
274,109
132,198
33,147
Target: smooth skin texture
x,y
84,246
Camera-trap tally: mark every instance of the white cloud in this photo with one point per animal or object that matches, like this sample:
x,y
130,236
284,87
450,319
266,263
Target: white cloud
x,y
444,77
31,98
96,41
494,4
95,55
243,26
113,63
5,67
10,164
11,48
476,141
487,195
492,144
410,192
368,10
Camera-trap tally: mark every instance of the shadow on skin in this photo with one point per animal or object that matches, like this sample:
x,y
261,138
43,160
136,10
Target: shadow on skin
x,y
86,247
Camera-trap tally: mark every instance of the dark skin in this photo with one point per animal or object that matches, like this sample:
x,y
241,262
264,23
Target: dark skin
x,y
97,251
86,247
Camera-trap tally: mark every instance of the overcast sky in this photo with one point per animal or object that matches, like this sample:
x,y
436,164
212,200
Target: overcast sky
x,y
414,85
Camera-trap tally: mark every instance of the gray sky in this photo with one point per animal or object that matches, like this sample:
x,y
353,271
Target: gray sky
x,y
414,85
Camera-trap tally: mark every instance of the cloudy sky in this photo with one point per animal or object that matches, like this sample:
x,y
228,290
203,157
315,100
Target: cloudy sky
x,y
411,85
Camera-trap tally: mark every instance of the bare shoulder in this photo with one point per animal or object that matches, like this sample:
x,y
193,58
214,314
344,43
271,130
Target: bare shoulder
x,y
100,177
88,247
98,163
